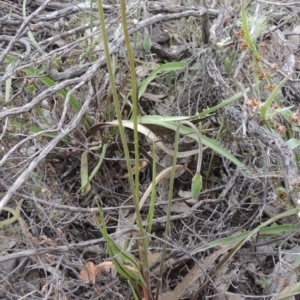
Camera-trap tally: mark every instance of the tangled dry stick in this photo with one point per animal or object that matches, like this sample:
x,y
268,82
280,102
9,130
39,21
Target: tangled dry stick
x,y
276,143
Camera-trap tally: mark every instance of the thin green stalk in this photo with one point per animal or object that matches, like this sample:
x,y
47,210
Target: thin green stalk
x,y
213,151
246,31
133,95
121,257
141,242
153,197
29,33
115,93
170,195
133,184
240,243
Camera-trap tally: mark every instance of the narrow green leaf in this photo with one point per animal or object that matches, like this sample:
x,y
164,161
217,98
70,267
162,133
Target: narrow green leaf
x,y
293,143
96,169
271,98
275,229
119,256
172,66
85,184
288,292
246,31
35,129
204,113
40,113
151,212
184,130
29,33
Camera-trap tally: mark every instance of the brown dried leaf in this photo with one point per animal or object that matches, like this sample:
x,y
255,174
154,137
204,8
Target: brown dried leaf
x,y
89,272
180,207
144,70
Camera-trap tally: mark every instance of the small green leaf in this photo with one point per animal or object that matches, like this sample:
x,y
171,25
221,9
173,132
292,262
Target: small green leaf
x,y
293,143
196,186
147,43
228,65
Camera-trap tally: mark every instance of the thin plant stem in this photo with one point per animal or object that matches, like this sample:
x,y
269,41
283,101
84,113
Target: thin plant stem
x,y
141,234
170,195
153,197
134,185
213,151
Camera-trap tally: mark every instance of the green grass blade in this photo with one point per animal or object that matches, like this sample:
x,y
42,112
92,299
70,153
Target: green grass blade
x,y
250,234
29,33
275,229
85,184
119,256
96,169
246,31
293,143
288,292
172,66
184,130
271,98
153,197
34,129
204,113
